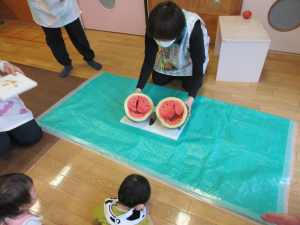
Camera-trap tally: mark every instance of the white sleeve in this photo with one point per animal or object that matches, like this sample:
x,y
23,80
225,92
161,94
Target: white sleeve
x,y
2,65
32,222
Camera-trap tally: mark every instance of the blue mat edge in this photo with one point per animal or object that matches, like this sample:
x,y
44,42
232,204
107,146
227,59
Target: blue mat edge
x,y
286,168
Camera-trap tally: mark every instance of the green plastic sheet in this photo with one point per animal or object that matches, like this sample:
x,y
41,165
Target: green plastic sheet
x,y
227,155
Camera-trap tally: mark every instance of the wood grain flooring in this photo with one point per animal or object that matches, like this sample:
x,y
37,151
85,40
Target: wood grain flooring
x,y
71,180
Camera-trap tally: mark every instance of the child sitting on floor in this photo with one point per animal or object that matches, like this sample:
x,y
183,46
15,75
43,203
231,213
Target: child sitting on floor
x,y
130,207
17,195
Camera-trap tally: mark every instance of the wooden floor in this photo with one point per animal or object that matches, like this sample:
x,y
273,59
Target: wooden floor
x,y
71,181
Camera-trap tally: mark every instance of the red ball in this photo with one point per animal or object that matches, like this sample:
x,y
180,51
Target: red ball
x,y
247,14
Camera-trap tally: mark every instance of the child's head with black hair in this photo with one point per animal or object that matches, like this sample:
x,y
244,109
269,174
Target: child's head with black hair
x,y
135,190
166,22
17,195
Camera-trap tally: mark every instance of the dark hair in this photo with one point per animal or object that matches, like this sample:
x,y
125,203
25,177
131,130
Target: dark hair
x,y
134,190
166,21
14,192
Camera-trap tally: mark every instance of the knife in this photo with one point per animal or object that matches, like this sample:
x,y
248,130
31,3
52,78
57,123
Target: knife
x,y
153,118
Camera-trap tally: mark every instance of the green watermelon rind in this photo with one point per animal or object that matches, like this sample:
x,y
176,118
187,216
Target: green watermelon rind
x,y
146,115
186,113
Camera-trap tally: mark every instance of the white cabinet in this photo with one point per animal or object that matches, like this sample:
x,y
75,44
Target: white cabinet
x,y
243,46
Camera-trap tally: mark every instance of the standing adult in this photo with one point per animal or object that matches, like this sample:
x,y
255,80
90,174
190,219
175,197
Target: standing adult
x,y
183,53
54,14
16,121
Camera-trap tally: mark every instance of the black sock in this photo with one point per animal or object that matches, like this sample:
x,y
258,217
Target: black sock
x,y
95,65
65,72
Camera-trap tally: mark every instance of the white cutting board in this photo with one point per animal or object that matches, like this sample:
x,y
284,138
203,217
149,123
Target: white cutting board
x,y
156,128
12,85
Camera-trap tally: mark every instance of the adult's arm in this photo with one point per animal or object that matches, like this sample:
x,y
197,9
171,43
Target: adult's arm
x,y
198,58
151,49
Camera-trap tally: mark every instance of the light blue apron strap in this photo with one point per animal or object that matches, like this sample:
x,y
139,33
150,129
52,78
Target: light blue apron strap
x,y
186,13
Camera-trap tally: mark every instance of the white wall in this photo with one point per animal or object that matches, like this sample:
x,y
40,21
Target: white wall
x,y
280,41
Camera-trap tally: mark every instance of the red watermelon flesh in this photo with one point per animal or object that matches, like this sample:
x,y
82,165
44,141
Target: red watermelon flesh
x,y
138,106
171,112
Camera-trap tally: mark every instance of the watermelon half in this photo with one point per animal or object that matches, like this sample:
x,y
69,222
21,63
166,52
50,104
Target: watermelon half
x,y
172,112
138,107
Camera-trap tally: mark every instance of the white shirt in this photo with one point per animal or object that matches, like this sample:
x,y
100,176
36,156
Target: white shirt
x,y
13,113
54,13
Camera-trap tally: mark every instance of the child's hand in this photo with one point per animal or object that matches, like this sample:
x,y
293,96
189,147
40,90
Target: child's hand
x,y
148,212
147,209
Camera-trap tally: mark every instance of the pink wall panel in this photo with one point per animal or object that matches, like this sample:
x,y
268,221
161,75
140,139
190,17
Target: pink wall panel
x,y
128,16
280,41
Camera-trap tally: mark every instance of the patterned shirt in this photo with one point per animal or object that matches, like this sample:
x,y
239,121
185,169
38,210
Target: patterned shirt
x,y
13,113
54,13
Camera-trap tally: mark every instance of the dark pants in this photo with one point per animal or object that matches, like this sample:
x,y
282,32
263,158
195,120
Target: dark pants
x,y
57,45
27,134
162,79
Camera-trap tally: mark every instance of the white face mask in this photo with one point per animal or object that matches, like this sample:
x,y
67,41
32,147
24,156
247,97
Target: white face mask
x,y
164,44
